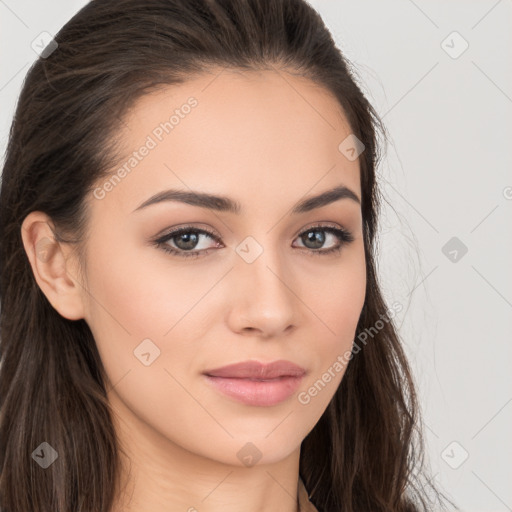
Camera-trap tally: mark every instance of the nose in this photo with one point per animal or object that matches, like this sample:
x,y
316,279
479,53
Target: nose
x,y
263,300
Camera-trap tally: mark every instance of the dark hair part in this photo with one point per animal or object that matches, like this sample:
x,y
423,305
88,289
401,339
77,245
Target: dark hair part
x,y
361,455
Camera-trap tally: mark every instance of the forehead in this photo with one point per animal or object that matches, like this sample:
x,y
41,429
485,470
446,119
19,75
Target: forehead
x,y
253,134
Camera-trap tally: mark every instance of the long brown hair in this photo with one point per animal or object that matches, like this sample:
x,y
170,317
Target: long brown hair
x,y
364,452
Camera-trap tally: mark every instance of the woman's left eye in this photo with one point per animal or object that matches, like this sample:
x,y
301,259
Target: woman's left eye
x,y
186,239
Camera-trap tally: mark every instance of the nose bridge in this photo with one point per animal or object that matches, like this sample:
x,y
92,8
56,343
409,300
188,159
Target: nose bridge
x,y
261,260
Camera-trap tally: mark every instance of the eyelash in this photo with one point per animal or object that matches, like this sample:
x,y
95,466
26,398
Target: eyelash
x,y
343,235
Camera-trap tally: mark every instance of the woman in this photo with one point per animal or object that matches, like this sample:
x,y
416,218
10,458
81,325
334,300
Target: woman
x,y
191,318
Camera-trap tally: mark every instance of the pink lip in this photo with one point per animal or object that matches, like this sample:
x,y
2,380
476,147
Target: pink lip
x,y
254,383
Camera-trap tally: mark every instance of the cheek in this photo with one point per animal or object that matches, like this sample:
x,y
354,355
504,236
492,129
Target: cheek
x,y
341,298
337,310
140,302
140,291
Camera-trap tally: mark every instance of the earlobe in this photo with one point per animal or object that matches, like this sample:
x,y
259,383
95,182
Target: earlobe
x,y
53,271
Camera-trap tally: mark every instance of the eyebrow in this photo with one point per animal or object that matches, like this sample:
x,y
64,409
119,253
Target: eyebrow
x,y
226,204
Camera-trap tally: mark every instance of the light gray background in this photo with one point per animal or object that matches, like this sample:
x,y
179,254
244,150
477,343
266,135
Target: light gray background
x,y
446,174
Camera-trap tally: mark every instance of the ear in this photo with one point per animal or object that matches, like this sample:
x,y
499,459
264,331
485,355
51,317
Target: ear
x,y
54,267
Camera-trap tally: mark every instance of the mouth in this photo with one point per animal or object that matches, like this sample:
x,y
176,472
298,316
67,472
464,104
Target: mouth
x,y
257,384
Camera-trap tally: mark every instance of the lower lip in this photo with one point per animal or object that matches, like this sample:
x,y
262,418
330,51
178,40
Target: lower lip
x,y
257,392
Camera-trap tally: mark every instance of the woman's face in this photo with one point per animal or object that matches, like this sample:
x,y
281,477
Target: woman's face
x,y
256,284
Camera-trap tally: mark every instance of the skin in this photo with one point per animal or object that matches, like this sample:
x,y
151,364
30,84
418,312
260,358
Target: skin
x,y
266,139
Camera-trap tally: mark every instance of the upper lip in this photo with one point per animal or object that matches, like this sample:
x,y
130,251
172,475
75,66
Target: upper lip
x,y
257,370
